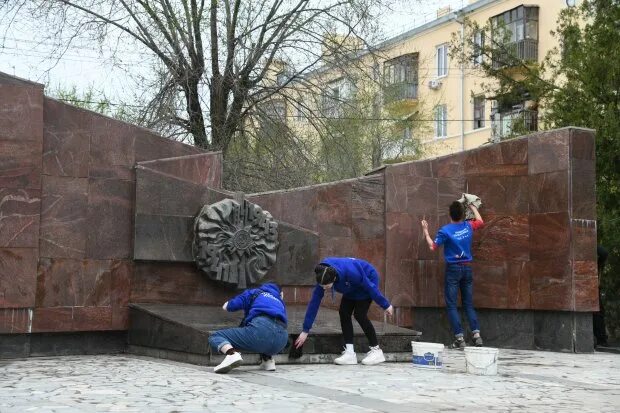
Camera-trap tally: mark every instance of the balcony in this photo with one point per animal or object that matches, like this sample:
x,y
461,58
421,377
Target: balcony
x,y
512,54
514,123
399,91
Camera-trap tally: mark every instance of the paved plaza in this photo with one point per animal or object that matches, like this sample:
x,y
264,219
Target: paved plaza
x,y
527,381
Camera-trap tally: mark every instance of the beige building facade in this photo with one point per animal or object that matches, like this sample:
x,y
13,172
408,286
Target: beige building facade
x,y
416,67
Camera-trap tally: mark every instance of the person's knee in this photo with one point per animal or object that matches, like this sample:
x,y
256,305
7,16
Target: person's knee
x,y
360,316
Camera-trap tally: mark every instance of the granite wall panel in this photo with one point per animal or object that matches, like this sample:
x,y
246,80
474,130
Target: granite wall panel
x,y
20,211
66,140
548,151
202,169
64,208
20,164
21,111
111,148
15,320
110,218
18,275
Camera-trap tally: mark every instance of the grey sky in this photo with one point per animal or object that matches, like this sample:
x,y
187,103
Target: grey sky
x,y
24,55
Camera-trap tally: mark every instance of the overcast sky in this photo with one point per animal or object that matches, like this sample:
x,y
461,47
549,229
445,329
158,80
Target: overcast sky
x,y
21,54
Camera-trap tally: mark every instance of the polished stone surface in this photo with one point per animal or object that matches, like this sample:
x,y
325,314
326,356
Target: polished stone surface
x,y
527,381
182,328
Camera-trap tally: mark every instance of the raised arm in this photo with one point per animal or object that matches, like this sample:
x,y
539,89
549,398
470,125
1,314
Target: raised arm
x,y
476,212
427,237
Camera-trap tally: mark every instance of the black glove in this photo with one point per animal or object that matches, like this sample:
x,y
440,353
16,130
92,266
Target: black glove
x,y
294,352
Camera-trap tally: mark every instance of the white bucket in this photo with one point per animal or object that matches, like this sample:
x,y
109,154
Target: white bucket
x,y
481,360
427,355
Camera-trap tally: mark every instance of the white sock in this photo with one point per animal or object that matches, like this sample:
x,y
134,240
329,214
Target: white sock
x,y
349,348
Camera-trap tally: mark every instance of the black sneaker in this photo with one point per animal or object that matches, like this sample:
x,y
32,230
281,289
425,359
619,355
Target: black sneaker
x,y
459,344
477,341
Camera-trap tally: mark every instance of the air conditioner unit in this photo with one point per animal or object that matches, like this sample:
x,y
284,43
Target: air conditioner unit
x,y
434,84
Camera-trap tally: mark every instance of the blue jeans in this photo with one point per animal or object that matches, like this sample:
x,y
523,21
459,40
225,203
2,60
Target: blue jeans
x,y
262,335
459,277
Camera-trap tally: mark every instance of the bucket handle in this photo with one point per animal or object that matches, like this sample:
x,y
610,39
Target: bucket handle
x,y
483,367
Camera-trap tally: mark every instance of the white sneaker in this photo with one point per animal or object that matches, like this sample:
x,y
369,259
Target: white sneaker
x,y
269,364
347,358
374,356
230,362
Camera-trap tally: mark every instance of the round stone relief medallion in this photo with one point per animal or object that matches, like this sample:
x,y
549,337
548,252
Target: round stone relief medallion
x,y
235,242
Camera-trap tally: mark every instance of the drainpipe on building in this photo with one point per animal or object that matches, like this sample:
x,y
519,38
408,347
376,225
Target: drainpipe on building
x,y
460,19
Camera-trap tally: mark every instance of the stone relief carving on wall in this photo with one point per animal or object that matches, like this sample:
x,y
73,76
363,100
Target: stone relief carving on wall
x,y
235,241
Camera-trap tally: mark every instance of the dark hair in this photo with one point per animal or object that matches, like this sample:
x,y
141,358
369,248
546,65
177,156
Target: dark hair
x,y
325,274
456,211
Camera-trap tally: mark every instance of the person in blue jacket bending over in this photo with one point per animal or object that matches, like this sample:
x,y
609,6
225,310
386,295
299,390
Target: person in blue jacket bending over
x,y
358,282
263,329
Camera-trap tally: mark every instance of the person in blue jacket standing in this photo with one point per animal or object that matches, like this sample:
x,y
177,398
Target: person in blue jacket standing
x,y
263,329
358,282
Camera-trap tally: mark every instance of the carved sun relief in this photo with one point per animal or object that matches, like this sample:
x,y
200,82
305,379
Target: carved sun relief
x,y
235,242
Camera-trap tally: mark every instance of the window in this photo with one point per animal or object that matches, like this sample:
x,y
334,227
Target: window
x,y
516,33
441,121
336,93
401,78
513,118
479,112
282,78
478,47
442,60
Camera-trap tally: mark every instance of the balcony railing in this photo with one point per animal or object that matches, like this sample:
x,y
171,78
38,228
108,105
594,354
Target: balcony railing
x,y
400,91
514,123
511,53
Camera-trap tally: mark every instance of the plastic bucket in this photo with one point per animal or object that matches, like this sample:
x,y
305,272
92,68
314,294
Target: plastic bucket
x,y
427,355
481,360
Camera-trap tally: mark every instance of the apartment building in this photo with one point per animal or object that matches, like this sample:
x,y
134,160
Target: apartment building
x,y
416,68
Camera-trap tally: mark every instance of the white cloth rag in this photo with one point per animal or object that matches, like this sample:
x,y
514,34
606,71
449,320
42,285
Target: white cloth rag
x,y
467,200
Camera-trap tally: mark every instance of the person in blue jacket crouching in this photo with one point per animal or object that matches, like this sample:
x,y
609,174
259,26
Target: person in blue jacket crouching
x,y
263,329
358,282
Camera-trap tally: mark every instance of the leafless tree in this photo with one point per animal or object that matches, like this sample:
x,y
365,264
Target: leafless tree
x,y
214,59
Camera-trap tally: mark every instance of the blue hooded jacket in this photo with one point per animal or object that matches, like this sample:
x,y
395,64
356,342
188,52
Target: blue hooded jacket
x,y
267,302
357,280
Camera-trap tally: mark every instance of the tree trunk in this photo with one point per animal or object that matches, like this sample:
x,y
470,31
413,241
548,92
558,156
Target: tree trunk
x,y
196,119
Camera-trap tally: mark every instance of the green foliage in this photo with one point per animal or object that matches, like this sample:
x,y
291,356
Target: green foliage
x,y
91,99
578,84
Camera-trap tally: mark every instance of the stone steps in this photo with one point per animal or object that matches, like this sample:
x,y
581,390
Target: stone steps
x,y
180,332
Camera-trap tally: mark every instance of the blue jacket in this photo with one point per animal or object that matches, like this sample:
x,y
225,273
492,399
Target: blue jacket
x,y
267,302
357,280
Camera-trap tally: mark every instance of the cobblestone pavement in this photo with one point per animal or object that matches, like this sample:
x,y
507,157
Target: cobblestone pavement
x,y
528,381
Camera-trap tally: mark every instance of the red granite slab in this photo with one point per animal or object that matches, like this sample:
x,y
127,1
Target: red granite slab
x,y
203,169
452,166
513,151
52,319
368,208
548,151
20,164
20,211
549,192
21,112
120,318
18,277
582,144
549,236
518,295
14,320
175,283
490,284
68,282
149,146
584,239
66,140
399,289
334,210
427,284
420,168
92,318
490,161
396,178
503,237
335,246
306,200
586,285
422,195
551,284
501,195
583,189
111,148
448,191
63,217
110,218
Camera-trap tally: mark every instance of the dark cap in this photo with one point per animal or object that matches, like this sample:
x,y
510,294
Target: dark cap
x,y
325,274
